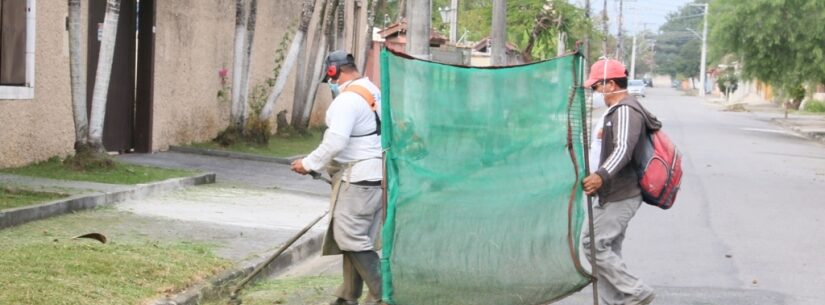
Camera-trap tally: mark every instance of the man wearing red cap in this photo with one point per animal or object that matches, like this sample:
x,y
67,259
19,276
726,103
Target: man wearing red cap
x,y
616,183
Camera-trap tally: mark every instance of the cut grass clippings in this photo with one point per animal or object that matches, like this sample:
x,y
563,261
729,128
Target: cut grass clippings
x,y
278,146
121,173
290,291
13,197
41,264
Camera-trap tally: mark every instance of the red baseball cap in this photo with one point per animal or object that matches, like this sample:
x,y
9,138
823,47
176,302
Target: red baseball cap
x,y
605,69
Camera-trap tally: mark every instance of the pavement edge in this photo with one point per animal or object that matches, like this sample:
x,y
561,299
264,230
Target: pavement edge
x,y
17,216
233,155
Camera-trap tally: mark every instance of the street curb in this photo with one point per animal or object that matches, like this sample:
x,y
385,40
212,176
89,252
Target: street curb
x,y
234,155
810,135
21,215
220,286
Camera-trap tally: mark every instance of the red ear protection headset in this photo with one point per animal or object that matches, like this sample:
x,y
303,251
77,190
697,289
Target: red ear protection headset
x,y
334,61
333,72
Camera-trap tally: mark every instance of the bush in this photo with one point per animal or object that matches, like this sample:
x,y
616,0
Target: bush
x,y
815,106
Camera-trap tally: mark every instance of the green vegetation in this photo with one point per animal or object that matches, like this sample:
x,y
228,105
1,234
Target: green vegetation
x,y
780,42
14,197
41,264
296,290
678,51
278,146
541,19
815,106
118,173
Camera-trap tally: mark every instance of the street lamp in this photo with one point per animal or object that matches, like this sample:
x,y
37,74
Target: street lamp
x,y
704,47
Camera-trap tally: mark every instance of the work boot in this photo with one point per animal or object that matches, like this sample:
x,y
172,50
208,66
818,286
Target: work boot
x,y
340,301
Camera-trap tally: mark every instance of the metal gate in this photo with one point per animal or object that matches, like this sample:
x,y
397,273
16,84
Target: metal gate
x,y
127,125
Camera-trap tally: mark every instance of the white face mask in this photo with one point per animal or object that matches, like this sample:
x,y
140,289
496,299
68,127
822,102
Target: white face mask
x,y
598,100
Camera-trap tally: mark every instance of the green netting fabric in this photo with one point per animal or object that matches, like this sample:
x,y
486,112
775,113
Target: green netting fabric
x,y
483,168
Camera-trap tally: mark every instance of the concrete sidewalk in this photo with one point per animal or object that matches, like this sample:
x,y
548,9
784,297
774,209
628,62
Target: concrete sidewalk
x,y
234,171
809,125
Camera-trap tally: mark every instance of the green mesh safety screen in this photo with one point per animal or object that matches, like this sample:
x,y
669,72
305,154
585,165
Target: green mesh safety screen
x,y
483,169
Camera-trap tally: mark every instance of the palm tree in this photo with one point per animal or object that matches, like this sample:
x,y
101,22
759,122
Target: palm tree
x,y
236,112
290,60
81,120
301,113
104,69
250,36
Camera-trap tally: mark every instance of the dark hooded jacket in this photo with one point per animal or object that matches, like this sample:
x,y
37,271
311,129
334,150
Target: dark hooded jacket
x,y
625,131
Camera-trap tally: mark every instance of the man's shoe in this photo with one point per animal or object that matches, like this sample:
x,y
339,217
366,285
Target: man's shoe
x,y
340,301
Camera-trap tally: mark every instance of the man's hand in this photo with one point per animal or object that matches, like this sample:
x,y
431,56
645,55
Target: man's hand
x,y
298,167
592,184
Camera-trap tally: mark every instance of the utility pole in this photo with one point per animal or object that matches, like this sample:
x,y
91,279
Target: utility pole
x,y
499,36
418,28
703,63
453,21
619,42
606,30
586,63
633,59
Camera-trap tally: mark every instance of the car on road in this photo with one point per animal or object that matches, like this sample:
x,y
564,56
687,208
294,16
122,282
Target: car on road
x,y
636,87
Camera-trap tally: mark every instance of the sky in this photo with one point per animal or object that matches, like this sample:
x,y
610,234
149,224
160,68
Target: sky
x,y
638,14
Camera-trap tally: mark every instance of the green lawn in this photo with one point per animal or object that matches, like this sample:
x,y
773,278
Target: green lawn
x,y
41,264
13,197
121,174
277,147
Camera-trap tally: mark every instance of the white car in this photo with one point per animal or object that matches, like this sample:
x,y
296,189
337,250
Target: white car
x,y
636,87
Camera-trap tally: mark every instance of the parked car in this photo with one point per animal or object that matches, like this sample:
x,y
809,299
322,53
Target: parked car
x,y
636,87
648,80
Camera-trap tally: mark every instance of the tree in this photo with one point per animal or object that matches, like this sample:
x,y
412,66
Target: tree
x,y
104,69
237,110
781,42
302,105
678,50
247,55
290,60
81,121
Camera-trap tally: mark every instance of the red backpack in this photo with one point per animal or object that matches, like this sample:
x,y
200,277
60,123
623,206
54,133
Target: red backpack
x,y
660,170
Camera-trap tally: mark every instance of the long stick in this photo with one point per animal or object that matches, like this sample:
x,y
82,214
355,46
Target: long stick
x,y
234,294
586,133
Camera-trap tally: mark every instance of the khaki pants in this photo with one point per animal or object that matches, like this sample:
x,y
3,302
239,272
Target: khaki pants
x,y
616,285
356,225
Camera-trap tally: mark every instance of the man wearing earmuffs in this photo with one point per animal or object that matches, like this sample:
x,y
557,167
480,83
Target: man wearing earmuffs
x,y
351,152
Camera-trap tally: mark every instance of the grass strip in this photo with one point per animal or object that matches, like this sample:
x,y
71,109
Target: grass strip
x,y
121,173
14,197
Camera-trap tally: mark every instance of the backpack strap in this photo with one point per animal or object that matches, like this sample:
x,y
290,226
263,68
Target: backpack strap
x,y
364,93
370,99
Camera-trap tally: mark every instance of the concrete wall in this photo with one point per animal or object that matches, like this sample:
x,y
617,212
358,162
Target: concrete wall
x,y
39,128
194,40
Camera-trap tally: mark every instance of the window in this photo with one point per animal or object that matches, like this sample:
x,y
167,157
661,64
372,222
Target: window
x,y
17,49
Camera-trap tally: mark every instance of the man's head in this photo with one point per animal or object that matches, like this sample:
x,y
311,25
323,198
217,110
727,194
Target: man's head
x,y
340,67
608,77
